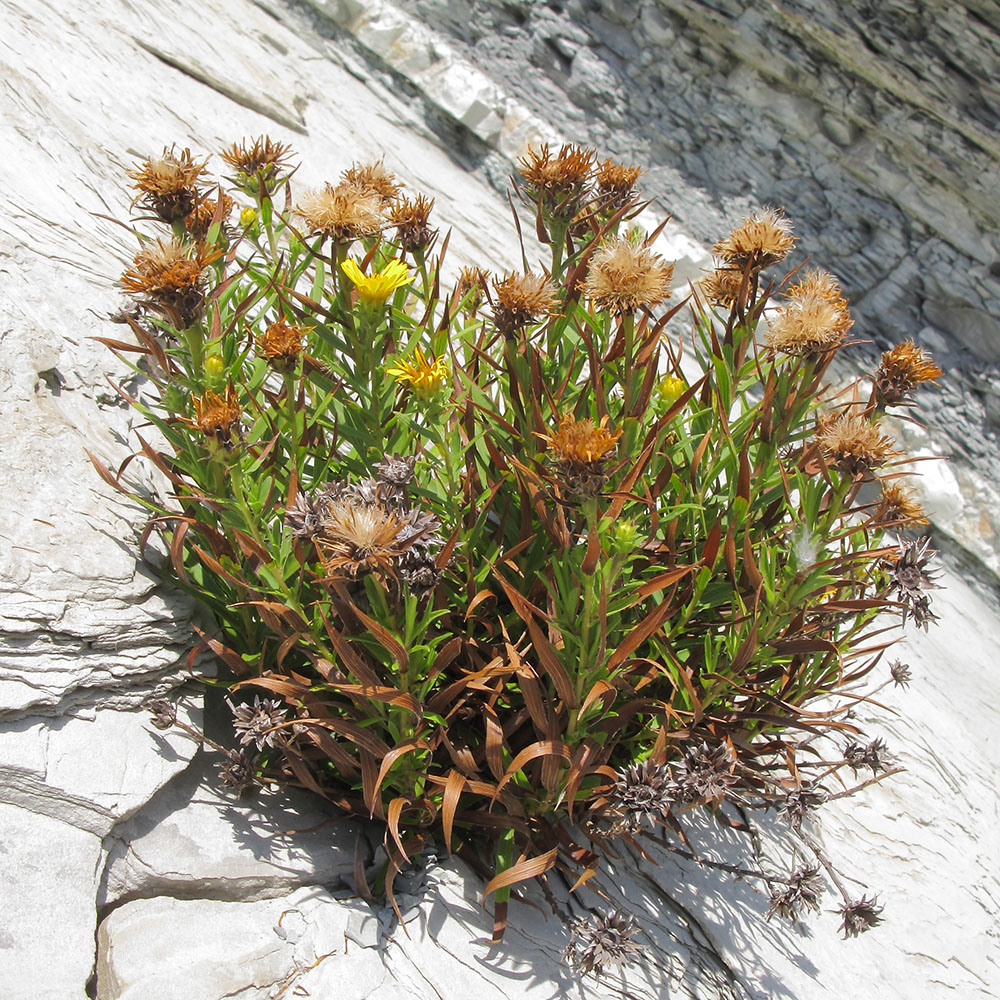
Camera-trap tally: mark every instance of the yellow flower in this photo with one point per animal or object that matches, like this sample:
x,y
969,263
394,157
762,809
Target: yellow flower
x,y
374,289
670,390
424,376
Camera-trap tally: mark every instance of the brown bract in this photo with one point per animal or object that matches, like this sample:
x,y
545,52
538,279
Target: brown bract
x,y
411,219
624,277
375,179
168,275
760,240
521,299
167,184
854,445
562,173
360,537
902,369
814,320
218,417
199,220
342,213
281,345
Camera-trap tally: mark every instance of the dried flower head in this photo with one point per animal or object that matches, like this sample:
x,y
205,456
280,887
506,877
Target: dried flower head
x,y
602,942
580,449
763,238
705,774
911,578
199,220
281,344
411,219
642,796
374,289
164,715
722,287
854,445
898,504
803,891
342,213
814,320
375,179
799,802
521,299
237,771
557,182
258,164
900,673
361,538
425,376
902,369
471,286
395,471
624,277
873,755
304,515
859,916
615,184
168,184
218,417
259,723
167,274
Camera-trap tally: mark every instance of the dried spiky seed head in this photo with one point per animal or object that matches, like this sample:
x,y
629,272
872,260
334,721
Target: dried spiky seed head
x,y
859,916
375,179
260,723
342,213
802,891
873,755
164,715
199,220
705,774
642,796
237,771
471,286
167,274
261,163
853,444
813,321
521,299
625,276
615,184
602,942
902,369
411,219
900,673
898,505
722,287
556,177
168,184
763,238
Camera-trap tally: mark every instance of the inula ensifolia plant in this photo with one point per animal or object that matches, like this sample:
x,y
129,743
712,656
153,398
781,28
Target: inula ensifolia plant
x,y
486,564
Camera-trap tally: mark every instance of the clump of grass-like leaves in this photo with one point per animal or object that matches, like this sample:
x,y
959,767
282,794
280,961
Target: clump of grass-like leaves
x,y
486,563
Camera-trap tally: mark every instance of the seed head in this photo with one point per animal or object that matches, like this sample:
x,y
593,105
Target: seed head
x,y
579,450
722,287
801,801
705,774
304,516
394,471
900,673
602,942
854,445
256,723
471,286
168,184
803,891
521,299
898,505
911,578
615,184
375,179
760,240
813,321
259,163
199,220
342,213
218,417
557,183
902,369
860,916
360,538
873,755
167,275
624,277
413,231
237,771
642,796
164,714
281,344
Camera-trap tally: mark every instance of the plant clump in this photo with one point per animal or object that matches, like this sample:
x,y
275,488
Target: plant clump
x,y
488,565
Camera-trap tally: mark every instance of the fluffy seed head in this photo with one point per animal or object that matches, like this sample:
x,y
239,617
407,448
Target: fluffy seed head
x,y
342,213
902,369
814,320
763,238
360,537
722,286
375,179
854,445
624,277
521,299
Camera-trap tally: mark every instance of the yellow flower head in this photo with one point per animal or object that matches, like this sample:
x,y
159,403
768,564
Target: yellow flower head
x,y
374,289
670,390
424,376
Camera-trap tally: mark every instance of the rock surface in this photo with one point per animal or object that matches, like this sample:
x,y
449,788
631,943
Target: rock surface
x,y
884,171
